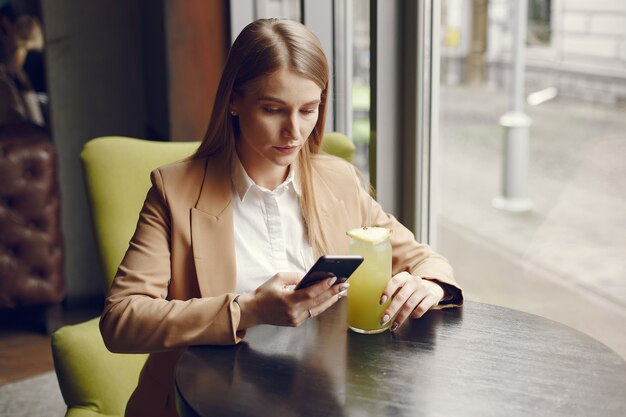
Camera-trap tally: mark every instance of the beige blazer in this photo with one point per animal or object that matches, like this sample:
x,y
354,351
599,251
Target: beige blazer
x,y
175,286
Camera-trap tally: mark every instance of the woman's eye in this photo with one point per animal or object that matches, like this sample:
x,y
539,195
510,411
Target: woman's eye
x,y
271,109
308,111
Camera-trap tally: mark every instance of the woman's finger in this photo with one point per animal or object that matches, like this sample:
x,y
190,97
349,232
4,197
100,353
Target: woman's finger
x,y
326,299
407,309
318,309
426,304
397,281
285,280
400,298
315,290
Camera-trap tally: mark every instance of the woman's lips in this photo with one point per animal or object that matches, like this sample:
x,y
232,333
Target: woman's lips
x,y
286,149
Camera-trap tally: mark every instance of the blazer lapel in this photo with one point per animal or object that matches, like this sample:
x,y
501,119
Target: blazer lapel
x,y
212,236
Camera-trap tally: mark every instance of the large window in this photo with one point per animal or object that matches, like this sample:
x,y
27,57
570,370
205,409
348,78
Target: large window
x,y
565,258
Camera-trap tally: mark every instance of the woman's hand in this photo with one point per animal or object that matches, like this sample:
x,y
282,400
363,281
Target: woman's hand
x,y
275,302
410,296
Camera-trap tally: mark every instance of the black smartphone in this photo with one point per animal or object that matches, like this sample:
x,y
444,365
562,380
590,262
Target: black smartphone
x,y
331,265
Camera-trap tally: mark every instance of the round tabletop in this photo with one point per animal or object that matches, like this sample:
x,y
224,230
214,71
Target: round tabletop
x,y
477,360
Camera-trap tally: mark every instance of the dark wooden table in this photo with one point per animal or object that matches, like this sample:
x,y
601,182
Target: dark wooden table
x,y
478,360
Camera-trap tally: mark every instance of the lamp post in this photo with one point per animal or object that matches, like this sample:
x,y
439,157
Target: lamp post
x,y
516,125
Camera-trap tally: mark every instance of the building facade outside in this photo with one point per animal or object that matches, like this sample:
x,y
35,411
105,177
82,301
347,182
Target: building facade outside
x,y
576,46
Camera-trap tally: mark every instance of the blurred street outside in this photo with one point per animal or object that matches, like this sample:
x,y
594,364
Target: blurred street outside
x,y
566,259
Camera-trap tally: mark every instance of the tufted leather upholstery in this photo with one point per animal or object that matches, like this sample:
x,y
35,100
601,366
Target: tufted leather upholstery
x,y
31,246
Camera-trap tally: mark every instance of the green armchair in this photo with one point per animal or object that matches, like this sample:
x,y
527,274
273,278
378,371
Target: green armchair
x,y
95,382
338,144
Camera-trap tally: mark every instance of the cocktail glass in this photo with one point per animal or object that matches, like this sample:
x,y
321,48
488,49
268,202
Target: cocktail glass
x,y
369,280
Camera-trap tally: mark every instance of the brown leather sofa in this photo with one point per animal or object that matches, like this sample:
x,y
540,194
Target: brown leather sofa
x,y
31,244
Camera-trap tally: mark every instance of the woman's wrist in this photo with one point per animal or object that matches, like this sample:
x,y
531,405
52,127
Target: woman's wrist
x,y
247,315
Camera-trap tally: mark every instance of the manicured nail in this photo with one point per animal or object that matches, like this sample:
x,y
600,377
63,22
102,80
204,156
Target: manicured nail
x,y
331,281
382,300
384,320
394,326
342,294
344,286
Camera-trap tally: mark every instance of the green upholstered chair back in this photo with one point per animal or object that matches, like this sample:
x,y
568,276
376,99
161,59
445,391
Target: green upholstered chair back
x,y
117,175
338,144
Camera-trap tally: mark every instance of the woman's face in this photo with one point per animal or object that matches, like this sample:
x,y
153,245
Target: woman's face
x,y
277,113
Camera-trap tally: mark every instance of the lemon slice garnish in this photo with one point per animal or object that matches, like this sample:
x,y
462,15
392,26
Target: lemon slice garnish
x,y
372,235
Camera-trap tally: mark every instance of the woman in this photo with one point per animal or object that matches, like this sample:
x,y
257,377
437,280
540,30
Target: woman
x,y
257,198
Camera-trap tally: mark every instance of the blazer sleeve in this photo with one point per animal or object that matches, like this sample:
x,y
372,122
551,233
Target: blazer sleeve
x,y
138,317
408,254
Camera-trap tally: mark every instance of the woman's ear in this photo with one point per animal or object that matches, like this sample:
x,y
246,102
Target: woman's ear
x,y
233,105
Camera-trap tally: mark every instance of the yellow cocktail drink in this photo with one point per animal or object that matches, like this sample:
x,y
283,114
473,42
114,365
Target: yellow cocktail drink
x,y
369,280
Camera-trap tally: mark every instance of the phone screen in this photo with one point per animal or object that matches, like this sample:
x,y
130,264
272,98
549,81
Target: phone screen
x,y
331,265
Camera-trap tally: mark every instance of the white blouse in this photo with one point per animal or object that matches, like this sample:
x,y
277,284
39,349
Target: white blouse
x,y
269,229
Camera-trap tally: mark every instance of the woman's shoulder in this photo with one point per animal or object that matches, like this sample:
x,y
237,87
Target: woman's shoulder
x,y
334,171
185,178
180,177
331,165
182,169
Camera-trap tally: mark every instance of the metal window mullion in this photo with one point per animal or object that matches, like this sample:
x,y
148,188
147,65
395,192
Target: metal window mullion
x,y
427,120
386,109
419,114
431,138
434,172
422,147
343,29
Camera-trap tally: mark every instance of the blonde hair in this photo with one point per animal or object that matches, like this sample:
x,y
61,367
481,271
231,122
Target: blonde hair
x,y
263,47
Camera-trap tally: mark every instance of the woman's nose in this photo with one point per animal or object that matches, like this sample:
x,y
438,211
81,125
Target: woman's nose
x,y
291,127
